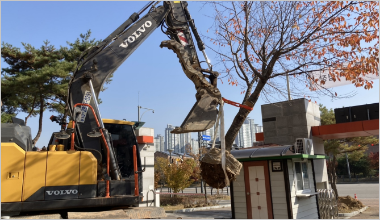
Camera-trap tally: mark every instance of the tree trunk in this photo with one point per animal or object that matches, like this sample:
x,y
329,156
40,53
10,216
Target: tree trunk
x,y
332,175
31,111
204,185
66,112
242,115
40,120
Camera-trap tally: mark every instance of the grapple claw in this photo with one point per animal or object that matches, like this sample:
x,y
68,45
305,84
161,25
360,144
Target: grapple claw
x,y
204,113
201,117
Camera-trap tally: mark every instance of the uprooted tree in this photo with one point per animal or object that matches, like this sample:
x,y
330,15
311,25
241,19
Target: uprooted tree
x,y
260,44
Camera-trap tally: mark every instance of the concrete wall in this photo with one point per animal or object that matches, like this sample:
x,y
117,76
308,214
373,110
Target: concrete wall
x,y
240,202
283,122
277,184
147,151
303,207
320,166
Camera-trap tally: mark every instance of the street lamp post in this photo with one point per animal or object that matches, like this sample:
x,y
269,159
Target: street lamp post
x,y
138,112
170,161
170,158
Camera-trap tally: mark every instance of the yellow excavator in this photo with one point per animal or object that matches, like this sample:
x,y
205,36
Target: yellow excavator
x,y
93,162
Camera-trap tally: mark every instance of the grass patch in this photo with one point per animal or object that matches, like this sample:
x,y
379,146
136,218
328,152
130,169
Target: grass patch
x,y
173,207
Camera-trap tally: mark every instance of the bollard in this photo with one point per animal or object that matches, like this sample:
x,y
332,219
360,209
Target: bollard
x,y
157,199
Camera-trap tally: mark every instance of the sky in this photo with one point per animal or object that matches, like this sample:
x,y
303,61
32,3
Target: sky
x,y
151,77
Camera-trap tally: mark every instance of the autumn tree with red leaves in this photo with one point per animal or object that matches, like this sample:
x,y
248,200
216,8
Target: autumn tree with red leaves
x,y
260,43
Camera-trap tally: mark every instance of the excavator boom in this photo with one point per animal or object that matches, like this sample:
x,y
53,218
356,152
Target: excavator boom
x,y
99,62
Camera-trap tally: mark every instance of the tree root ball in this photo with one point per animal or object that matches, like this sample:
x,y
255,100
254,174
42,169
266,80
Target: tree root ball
x,y
214,176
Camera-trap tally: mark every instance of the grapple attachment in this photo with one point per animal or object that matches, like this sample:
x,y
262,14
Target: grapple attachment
x,y
204,112
201,117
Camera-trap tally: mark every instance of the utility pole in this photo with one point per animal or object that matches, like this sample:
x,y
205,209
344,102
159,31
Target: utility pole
x,y
200,143
287,85
348,167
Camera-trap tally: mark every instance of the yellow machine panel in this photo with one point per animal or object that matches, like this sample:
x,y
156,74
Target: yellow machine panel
x,y
34,178
62,168
122,122
88,168
12,172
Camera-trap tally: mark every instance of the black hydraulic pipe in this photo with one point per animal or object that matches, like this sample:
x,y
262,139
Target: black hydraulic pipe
x,y
200,43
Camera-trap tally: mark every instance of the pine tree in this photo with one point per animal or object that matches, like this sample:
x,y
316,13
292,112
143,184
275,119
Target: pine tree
x,y
37,79
32,78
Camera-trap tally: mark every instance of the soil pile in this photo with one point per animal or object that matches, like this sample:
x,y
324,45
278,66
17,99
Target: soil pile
x,y
348,204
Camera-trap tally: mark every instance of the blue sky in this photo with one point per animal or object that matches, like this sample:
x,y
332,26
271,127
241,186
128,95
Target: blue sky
x,y
152,72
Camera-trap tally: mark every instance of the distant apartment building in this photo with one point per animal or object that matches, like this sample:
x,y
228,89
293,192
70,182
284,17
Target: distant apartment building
x,y
170,139
194,146
159,143
247,133
176,142
210,132
179,142
184,140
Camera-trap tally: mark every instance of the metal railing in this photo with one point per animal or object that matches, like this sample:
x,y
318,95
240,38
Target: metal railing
x,y
328,205
210,190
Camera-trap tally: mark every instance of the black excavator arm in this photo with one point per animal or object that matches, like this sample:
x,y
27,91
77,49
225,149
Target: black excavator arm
x,y
97,63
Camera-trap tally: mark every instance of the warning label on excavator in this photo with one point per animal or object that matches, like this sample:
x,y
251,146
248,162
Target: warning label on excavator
x,y
84,109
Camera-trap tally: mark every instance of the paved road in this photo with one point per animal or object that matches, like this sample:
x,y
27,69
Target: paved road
x,y
372,212
367,193
362,190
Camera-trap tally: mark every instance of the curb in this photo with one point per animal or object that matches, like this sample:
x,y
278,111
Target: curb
x,y
199,209
352,213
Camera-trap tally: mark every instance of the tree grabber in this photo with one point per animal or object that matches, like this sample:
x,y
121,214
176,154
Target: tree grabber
x,y
98,63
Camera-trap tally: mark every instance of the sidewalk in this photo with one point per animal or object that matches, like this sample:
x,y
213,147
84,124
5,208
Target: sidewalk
x,y
372,212
220,211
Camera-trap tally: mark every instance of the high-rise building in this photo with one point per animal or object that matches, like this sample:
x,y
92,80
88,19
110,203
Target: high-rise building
x,y
247,133
210,132
184,139
159,143
194,146
177,142
170,139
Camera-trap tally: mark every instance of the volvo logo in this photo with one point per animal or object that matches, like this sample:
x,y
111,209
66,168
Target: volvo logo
x,y
62,192
135,34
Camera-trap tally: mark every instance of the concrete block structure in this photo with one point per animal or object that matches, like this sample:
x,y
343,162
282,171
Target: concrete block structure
x,y
146,146
284,122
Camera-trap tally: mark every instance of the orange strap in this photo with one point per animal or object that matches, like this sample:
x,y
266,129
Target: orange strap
x,y
237,104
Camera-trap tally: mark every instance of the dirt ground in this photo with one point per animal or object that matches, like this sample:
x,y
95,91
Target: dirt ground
x,y
348,204
175,203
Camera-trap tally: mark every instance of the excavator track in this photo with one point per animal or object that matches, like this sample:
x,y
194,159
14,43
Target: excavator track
x,y
204,112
